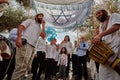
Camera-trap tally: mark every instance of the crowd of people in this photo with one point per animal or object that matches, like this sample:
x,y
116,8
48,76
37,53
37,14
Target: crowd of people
x,y
33,55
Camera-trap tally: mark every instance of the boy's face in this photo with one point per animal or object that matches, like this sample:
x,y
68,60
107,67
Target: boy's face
x,y
75,42
52,41
82,39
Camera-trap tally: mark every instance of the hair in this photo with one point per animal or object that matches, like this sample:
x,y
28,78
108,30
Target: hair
x,y
53,39
82,37
65,50
104,15
103,10
75,41
38,15
68,37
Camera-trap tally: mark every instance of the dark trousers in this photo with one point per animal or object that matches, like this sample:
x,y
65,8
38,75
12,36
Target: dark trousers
x,y
49,68
74,64
38,65
68,66
82,67
55,68
7,64
62,70
97,66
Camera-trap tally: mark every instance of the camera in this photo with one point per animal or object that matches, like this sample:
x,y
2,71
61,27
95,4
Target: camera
x,y
24,41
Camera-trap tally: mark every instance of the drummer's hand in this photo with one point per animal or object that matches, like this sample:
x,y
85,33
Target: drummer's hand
x,y
19,42
97,39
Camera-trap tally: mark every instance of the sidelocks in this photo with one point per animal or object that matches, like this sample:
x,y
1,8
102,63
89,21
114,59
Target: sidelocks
x,y
103,54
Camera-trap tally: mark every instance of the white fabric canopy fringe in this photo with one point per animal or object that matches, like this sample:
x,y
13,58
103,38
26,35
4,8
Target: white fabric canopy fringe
x,y
62,2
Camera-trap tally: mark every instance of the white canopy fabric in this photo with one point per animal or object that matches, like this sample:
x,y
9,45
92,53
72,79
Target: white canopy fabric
x,y
64,17
62,2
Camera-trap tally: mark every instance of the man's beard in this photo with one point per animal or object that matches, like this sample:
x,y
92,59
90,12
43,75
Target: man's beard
x,y
39,21
103,18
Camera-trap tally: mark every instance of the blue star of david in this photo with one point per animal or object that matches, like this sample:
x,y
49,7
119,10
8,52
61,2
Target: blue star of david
x,y
62,14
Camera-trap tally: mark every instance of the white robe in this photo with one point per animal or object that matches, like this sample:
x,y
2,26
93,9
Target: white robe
x,y
113,40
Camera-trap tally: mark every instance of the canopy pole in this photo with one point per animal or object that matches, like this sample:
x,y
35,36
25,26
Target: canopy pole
x,y
29,8
77,32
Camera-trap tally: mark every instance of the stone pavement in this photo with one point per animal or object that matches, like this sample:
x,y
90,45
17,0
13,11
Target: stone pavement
x,y
92,75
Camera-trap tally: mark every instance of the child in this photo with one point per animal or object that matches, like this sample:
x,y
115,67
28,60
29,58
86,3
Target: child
x,y
50,59
62,62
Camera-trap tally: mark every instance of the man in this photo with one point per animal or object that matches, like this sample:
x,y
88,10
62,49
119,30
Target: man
x,y
82,59
74,59
12,37
27,36
8,64
110,33
38,64
50,59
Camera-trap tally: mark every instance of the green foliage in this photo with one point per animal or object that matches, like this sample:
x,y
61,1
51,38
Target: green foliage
x,y
11,18
91,23
113,6
25,3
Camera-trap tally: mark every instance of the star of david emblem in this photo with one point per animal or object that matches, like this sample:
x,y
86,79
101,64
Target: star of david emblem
x,y
62,18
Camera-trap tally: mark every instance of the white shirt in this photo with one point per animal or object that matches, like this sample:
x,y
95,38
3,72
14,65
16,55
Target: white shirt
x,y
32,31
51,51
63,59
41,45
57,55
75,51
13,35
113,40
83,48
68,46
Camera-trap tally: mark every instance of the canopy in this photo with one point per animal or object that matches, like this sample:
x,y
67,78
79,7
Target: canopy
x,y
63,16
62,2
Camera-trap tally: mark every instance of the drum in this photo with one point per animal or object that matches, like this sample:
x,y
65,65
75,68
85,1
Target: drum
x,y
116,65
103,54
5,48
100,53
